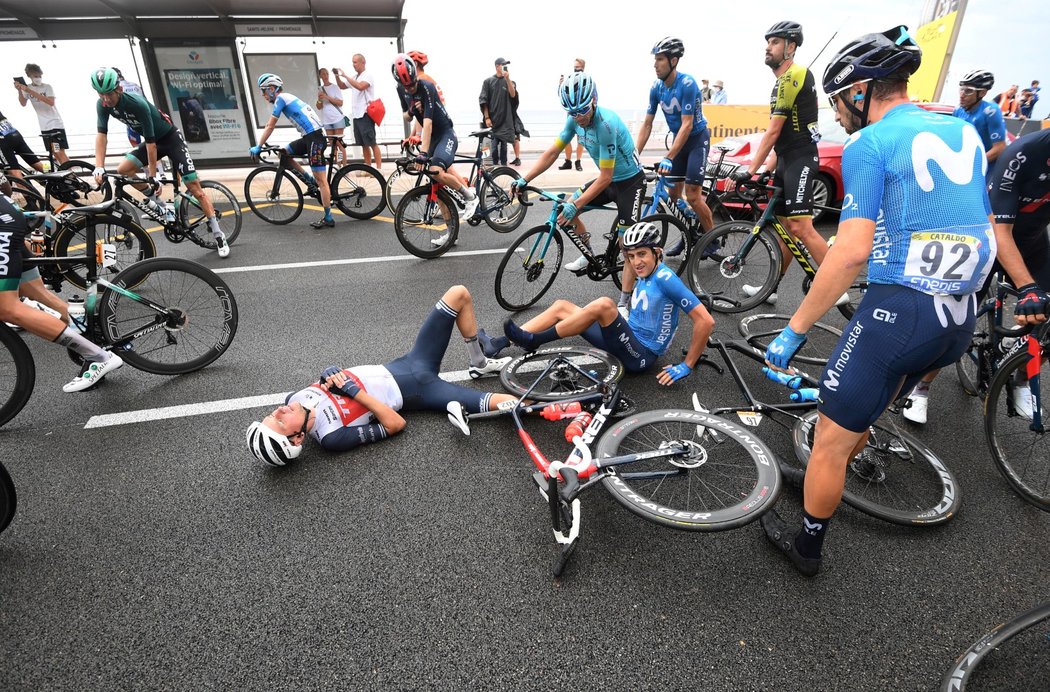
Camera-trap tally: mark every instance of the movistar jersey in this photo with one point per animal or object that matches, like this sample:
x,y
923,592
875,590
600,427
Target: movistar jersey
x,y
1019,191
138,114
920,177
302,114
607,140
336,412
794,97
654,307
682,98
988,119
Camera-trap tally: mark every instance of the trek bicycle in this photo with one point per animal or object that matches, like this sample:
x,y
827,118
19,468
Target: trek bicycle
x,y
532,263
1014,651
8,499
680,469
275,192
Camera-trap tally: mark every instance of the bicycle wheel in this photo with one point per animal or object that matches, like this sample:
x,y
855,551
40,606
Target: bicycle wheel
x,y
83,191
677,240
1025,659
227,209
276,200
357,190
26,198
968,368
17,374
400,182
821,339
132,244
8,499
528,268
563,381
420,223
1021,454
199,327
896,478
724,478
716,269
505,209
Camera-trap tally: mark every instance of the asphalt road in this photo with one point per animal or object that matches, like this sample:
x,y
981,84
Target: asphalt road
x,y
159,554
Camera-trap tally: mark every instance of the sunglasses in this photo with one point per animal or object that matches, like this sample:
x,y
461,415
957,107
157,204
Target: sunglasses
x,y
580,112
967,91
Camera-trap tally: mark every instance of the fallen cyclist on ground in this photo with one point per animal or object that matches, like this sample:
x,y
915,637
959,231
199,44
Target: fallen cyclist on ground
x,y
641,336
354,406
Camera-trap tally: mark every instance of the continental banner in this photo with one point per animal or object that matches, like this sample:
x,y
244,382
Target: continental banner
x,y
735,121
935,39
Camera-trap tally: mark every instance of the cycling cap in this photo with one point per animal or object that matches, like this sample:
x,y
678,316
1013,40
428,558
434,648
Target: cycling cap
x,y
791,31
978,79
641,234
269,79
892,53
404,70
670,46
270,446
577,92
418,57
104,80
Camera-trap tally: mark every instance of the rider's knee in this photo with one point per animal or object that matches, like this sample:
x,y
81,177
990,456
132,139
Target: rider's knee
x,y
456,296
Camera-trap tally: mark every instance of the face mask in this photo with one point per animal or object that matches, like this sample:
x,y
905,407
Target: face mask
x,y
37,81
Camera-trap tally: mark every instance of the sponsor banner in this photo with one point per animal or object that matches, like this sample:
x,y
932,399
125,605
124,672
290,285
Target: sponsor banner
x,y
936,39
735,121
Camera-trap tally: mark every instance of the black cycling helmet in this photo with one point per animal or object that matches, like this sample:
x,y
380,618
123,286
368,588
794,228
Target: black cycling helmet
x,y
670,46
978,79
788,30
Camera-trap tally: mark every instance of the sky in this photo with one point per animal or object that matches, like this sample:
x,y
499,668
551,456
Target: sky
x,y
543,37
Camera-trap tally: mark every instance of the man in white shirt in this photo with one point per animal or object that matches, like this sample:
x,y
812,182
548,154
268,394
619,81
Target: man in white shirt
x,y
363,87
42,96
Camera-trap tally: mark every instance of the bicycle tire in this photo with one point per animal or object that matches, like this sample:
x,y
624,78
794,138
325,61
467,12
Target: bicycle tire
x,y
910,494
418,222
563,382
17,374
1008,434
759,330
357,191
278,208
968,367
204,304
960,674
26,198
703,494
675,237
85,196
8,499
227,209
712,270
133,244
521,280
400,182
506,211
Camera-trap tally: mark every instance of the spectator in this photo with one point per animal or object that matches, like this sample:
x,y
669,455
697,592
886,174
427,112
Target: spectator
x,y
1026,104
330,108
718,94
579,66
705,92
497,96
363,94
42,96
1007,102
1035,92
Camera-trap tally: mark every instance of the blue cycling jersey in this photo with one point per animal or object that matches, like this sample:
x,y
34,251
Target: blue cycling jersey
x,y
654,307
988,119
681,98
299,112
607,140
920,177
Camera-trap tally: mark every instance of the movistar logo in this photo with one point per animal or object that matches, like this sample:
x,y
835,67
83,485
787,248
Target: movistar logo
x,y
671,107
957,165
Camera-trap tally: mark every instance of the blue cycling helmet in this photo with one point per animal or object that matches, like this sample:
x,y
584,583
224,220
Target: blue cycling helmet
x,y
269,79
577,92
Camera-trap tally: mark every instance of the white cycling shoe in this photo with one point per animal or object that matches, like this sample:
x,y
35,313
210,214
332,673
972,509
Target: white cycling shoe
x,y
917,409
491,367
579,264
1023,401
93,373
458,417
750,291
469,207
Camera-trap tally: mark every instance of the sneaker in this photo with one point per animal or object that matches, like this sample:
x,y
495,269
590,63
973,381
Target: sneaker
x,y
780,535
916,409
1023,401
578,265
323,223
492,366
565,166
579,165
752,290
94,372
516,162
470,205
442,239
222,247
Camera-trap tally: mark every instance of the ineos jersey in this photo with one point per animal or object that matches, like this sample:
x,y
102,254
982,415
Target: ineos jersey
x,y
427,102
336,412
655,303
302,115
1019,190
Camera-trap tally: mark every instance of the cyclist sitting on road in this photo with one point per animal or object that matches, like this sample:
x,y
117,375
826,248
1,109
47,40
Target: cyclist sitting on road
x,y
917,212
310,144
620,179
161,138
645,334
678,96
359,405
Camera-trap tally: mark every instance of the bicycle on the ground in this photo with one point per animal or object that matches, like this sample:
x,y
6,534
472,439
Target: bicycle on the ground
x,y
681,469
8,499
1007,655
532,263
275,192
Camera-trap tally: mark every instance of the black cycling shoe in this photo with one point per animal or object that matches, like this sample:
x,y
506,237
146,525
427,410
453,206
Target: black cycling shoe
x,y
323,223
779,535
794,476
565,166
579,165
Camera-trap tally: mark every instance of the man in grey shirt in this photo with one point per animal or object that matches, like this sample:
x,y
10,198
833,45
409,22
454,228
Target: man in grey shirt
x,y
497,95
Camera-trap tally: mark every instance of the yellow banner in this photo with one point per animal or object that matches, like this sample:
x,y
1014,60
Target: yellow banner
x,y
735,121
934,39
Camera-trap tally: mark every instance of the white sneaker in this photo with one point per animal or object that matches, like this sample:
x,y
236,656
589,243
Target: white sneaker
x,y
93,373
1024,402
222,247
749,291
578,265
916,409
441,239
491,367
469,207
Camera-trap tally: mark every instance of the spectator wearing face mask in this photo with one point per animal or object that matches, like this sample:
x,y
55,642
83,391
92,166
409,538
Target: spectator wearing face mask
x,y
42,96
718,93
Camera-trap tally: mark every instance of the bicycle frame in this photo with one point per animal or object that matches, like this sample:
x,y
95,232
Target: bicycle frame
x,y
543,241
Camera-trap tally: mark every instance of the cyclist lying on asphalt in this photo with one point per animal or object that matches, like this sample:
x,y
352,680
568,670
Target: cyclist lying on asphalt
x,y
640,338
350,407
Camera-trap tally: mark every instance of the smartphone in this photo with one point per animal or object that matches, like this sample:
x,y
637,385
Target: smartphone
x,y
21,80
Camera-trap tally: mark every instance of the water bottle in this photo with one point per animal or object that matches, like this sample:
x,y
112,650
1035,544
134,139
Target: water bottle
x,y
577,426
36,239
558,411
76,314
686,209
169,212
154,206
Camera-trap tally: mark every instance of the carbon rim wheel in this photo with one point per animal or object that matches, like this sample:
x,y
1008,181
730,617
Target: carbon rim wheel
x,y
992,665
357,190
17,374
400,182
277,206
525,274
227,209
821,339
131,243
419,222
498,195
8,498
563,381
716,269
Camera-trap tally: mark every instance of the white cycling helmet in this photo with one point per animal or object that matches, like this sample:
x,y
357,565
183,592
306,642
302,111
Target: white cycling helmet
x,y
641,234
269,79
271,447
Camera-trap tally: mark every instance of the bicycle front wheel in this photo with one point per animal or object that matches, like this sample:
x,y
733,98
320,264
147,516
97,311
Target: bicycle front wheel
x,y
227,209
895,478
528,268
723,478
821,339
197,326
131,242
1021,454
273,195
1024,659
17,374
8,498
563,381
357,190
504,209
400,183
734,266
427,227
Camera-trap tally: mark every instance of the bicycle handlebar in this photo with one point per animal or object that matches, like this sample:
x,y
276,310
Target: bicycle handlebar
x,y
793,381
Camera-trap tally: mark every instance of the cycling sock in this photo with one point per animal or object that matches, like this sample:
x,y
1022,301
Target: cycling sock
x,y
467,192
213,223
474,351
625,299
76,342
328,214
810,538
492,345
546,336
517,335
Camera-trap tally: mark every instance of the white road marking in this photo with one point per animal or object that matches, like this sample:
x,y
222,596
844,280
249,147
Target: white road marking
x,y
357,260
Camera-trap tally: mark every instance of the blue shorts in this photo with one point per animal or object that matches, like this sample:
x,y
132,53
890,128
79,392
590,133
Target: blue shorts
x,y
312,146
691,161
443,149
619,340
896,336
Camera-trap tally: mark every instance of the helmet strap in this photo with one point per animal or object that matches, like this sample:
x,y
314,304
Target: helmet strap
x,y
861,113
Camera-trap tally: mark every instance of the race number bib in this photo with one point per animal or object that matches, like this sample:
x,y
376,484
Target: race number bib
x,y
949,261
